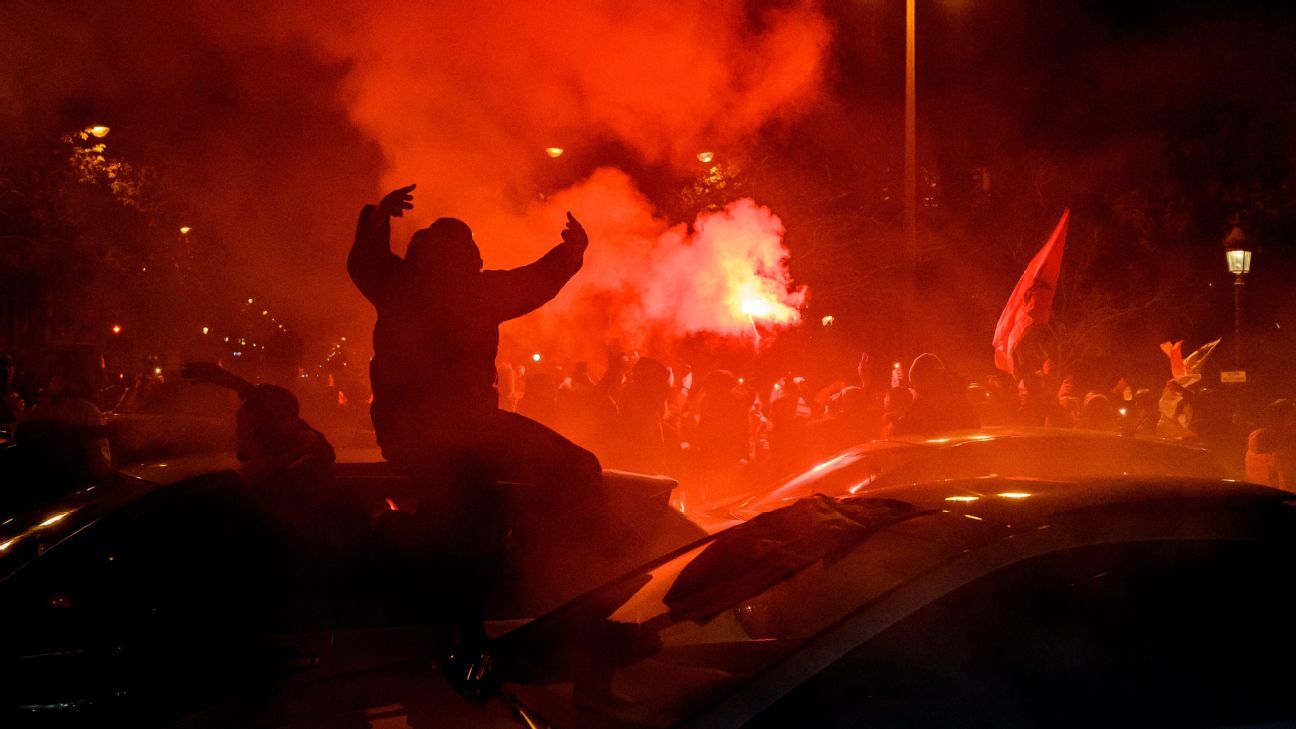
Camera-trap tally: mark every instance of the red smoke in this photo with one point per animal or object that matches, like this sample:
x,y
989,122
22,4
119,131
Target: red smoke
x,y
645,278
239,106
464,98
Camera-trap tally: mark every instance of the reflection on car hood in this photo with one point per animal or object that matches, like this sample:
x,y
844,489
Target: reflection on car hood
x,y
752,557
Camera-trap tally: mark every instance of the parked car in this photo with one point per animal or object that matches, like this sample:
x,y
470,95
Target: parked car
x,y
1037,452
168,588
1144,601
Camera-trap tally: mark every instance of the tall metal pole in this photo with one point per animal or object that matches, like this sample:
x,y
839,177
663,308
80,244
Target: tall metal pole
x,y
908,318
1239,283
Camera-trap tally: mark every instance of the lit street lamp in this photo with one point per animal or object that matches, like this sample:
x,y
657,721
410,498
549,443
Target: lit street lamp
x,y
1237,251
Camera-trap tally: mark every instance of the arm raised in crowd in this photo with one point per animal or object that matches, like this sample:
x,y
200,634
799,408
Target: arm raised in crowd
x,y
371,262
522,290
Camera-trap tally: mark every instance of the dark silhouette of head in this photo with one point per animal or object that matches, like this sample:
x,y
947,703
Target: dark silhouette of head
x,y
445,246
927,373
77,370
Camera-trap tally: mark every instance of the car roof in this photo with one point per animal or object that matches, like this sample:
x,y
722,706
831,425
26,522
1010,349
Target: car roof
x,y
960,437
1027,500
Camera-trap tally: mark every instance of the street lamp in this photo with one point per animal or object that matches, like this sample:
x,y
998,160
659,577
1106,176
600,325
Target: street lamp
x,y
1237,252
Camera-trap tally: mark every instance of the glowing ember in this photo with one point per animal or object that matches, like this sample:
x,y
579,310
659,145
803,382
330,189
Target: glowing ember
x,y
828,320
98,132
554,152
116,329
184,230
705,157
205,330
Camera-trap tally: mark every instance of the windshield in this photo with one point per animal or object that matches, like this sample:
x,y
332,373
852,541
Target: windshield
x,y
657,647
846,473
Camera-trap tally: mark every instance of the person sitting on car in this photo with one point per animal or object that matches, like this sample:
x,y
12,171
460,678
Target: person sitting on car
x,y
275,446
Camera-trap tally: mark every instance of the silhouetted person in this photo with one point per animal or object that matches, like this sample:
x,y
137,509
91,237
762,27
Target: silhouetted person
x,y
11,403
540,400
66,430
645,442
938,403
434,398
435,406
276,447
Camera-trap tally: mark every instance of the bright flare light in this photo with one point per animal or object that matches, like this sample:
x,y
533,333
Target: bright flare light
x,y
554,152
97,131
535,357
1014,495
962,498
705,157
184,230
828,320
54,519
757,307
116,329
205,330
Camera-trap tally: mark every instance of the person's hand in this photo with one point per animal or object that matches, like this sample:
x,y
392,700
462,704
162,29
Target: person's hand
x,y
575,233
395,203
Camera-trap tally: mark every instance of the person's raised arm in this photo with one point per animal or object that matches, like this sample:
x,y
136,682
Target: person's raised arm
x,y
522,290
213,373
371,261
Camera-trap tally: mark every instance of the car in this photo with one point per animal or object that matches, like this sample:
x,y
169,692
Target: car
x,y
168,588
1039,452
1141,601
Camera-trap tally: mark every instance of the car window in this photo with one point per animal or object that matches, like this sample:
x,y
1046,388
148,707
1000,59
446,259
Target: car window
x,y
1149,634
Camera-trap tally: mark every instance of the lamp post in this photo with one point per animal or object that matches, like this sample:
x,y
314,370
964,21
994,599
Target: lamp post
x,y
1237,252
908,319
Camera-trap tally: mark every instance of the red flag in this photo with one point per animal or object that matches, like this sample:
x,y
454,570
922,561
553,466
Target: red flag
x,y
1175,352
1031,302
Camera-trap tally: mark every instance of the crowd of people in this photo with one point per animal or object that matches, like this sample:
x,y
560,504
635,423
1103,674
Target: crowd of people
x,y
716,431
721,431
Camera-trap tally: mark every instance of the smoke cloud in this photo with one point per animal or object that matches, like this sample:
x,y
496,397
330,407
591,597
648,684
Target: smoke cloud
x,y
464,100
271,124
